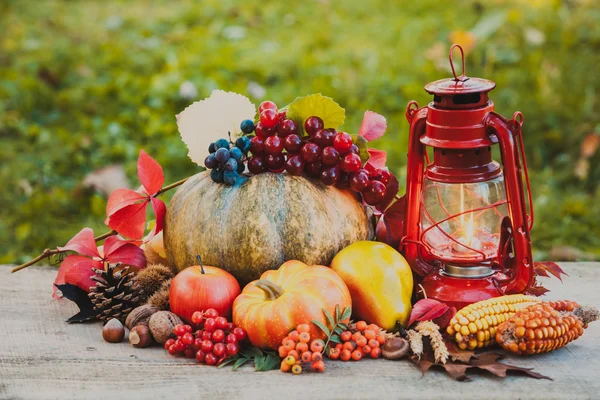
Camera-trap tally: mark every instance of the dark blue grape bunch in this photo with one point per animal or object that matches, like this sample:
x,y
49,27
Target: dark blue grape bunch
x,y
226,162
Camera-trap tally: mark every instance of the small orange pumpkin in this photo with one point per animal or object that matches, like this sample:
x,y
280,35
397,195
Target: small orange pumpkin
x,y
269,308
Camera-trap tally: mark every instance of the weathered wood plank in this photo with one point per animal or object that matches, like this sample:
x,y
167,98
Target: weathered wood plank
x,y
42,357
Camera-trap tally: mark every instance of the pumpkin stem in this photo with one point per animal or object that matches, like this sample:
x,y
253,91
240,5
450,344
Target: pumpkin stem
x,y
200,263
272,291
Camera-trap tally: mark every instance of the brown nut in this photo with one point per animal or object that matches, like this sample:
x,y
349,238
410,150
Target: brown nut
x,y
395,348
140,336
162,324
140,316
113,331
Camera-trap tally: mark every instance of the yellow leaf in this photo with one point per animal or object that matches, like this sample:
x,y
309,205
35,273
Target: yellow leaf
x,y
316,105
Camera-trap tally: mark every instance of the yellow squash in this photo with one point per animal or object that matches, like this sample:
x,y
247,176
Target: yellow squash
x,y
380,282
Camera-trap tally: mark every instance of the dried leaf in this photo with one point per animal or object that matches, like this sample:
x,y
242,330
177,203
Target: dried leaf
x,y
208,120
456,354
426,310
106,180
543,268
373,126
80,297
486,361
589,145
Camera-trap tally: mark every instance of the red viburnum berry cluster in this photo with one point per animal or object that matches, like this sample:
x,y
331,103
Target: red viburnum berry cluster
x,y
215,340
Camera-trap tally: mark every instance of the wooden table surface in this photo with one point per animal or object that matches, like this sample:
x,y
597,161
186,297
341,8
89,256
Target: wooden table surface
x,y
42,357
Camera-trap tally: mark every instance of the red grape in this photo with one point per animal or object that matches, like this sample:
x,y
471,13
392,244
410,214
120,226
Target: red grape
x,y
313,169
343,181
294,165
324,137
257,165
266,105
342,142
311,152
263,132
275,162
329,176
287,127
351,163
330,156
269,119
292,143
273,145
354,149
257,145
359,180
381,175
312,125
374,193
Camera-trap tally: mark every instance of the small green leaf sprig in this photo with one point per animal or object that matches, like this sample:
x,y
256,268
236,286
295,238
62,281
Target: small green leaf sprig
x,y
263,360
337,324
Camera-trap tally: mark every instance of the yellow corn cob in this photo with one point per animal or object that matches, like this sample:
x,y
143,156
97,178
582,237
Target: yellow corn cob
x,y
474,326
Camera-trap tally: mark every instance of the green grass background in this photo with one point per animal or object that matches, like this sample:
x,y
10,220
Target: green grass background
x,y
85,84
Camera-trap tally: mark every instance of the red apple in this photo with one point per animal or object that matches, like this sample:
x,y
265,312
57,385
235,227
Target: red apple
x,y
199,288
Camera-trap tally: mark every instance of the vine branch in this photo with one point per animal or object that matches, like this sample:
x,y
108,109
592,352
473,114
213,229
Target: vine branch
x,y
49,253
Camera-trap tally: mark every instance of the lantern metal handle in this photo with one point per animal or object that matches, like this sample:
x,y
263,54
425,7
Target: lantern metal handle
x,y
463,77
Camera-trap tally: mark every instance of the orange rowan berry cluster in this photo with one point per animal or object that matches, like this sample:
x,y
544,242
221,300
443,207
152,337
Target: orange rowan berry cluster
x,y
366,341
297,349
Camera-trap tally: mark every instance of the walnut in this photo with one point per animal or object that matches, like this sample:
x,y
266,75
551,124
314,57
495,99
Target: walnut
x,y
140,316
162,324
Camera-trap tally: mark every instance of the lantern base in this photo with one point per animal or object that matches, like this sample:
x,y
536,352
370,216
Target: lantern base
x,y
457,292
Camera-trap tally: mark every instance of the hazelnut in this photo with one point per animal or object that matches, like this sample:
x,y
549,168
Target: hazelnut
x,y
139,336
113,331
395,348
162,324
140,316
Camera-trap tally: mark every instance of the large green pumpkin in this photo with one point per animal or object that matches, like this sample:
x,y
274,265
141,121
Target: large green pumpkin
x,y
260,223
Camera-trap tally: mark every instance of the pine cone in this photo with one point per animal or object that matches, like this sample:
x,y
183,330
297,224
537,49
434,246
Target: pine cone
x,y
115,293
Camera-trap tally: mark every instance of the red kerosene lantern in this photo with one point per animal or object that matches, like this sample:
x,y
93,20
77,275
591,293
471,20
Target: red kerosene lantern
x,y
467,226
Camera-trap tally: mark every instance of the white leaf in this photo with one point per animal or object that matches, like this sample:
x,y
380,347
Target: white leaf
x,y
208,120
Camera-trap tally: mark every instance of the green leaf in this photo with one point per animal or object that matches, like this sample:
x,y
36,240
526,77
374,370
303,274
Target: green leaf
x,y
259,362
272,362
316,104
228,361
347,312
363,147
239,362
337,313
329,318
338,330
335,339
252,352
322,327
343,326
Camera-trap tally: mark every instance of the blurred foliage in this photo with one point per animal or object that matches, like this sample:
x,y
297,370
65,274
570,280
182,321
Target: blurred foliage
x,y
86,84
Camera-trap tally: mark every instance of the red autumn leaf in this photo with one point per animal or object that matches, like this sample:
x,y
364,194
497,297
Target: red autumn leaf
x,y
425,310
129,221
373,126
444,320
377,159
126,208
150,173
77,269
391,224
160,209
83,243
544,268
